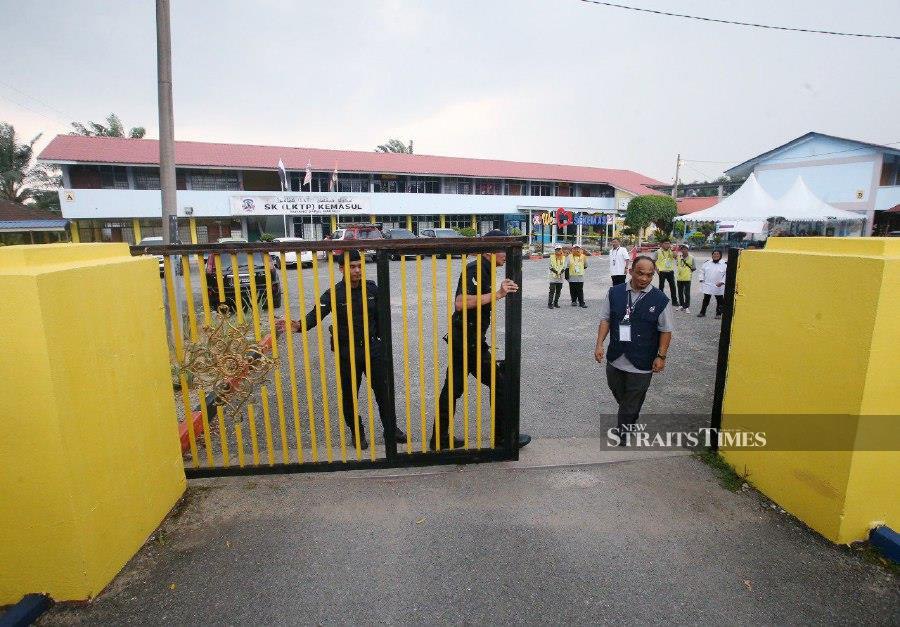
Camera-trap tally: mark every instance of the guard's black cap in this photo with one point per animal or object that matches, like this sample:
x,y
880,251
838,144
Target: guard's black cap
x,y
495,233
352,255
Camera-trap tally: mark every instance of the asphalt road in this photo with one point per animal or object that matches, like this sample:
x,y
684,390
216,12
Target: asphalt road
x,y
564,392
637,542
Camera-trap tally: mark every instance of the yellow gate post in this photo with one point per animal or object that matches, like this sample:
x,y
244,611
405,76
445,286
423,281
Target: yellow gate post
x,y
90,447
812,365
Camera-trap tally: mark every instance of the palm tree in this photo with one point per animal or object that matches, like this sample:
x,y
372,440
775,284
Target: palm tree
x,y
395,145
112,128
20,178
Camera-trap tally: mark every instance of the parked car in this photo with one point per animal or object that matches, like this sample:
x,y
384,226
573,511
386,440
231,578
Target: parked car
x,y
358,232
243,273
153,242
290,256
399,234
441,234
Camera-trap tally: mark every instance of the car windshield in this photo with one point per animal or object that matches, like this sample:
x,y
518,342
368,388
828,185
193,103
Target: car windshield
x,y
151,241
401,234
368,234
445,233
242,262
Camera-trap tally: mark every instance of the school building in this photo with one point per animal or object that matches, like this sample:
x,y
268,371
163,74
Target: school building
x,y
111,190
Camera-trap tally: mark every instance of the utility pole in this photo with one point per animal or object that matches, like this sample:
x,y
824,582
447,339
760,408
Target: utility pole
x,y
675,185
166,122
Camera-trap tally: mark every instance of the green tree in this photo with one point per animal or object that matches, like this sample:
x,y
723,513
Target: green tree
x,y
395,145
653,209
21,179
112,128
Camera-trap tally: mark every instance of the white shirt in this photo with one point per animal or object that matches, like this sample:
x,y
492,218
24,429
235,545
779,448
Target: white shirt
x,y
710,274
618,258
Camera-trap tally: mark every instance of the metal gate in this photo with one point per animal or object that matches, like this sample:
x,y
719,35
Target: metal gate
x,y
253,400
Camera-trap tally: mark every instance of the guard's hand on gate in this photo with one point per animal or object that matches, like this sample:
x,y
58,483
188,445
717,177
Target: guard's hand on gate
x,y
598,355
507,286
280,325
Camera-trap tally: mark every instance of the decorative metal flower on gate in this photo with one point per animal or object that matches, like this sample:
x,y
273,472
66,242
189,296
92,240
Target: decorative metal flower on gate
x,y
226,362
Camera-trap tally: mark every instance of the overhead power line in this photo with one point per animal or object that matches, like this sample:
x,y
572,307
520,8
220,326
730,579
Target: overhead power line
x,y
736,23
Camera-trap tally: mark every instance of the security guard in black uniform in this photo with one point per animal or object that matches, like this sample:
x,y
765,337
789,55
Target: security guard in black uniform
x,y
461,370
377,379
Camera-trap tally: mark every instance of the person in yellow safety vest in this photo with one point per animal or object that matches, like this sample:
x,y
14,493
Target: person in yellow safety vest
x,y
665,266
577,264
684,268
558,263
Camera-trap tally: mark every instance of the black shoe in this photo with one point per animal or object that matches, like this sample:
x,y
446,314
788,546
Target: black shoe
x,y
556,305
549,305
399,436
574,304
457,443
701,315
524,440
583,306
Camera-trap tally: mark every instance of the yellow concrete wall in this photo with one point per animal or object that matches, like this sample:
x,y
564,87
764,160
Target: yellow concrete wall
x,y
91,457
815,331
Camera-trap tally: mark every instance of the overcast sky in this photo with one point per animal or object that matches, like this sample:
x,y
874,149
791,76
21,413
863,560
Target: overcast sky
x,y
554,81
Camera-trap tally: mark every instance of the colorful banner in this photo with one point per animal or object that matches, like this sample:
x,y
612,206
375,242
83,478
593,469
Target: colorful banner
x,y
562,218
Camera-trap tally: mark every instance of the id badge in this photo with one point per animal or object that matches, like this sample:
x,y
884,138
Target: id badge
x,y
625,332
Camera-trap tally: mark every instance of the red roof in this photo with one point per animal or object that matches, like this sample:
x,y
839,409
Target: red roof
x,y
75,148
14,212
696,203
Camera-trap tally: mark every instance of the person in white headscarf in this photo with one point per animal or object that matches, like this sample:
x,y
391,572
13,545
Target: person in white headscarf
x,y
712,282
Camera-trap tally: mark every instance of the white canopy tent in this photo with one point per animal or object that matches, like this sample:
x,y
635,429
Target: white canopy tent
x,y
752,205
749,202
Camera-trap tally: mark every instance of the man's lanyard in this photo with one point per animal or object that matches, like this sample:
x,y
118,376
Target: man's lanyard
x,y
631,305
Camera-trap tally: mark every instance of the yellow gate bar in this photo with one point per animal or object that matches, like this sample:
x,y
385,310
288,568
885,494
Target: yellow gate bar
x,y
136,228
74,235
279,397
404,315
493,348
317,304
434,347
450,397
421,334
368,356
264,390
351,354
179,355
307,370
337,355
465,347
478,407
289,342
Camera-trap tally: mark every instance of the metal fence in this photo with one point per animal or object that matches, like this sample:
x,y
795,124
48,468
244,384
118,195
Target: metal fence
x,y
252,399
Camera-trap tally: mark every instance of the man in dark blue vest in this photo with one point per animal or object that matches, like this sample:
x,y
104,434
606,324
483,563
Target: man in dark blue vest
x,y
638,319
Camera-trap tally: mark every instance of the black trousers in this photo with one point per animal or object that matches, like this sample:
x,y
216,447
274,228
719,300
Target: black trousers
x,y
572,289
629,389
555,291
576,291
719,302
350,388
618,278
684,293
669,277
461,371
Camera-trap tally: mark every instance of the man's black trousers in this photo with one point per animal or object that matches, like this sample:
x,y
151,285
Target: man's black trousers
x,y
629,389
719,301
350,388
555,291
669,277
684,293
460,372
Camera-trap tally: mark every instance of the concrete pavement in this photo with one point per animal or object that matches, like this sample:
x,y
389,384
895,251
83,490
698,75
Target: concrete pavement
x,y
639,540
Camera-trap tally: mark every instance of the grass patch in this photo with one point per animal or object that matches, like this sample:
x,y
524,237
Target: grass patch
x,y
728,478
